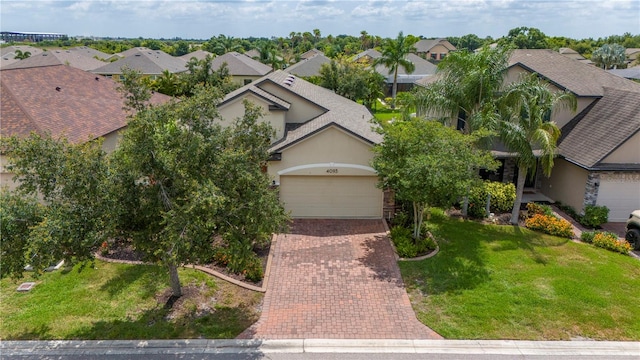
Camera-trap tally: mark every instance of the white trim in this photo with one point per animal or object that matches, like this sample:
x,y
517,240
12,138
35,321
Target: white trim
x,y
325,165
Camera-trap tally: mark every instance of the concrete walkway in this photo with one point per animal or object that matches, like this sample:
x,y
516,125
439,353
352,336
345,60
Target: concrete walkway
x,y
336,279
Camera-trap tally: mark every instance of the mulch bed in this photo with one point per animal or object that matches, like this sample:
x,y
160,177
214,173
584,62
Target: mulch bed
x,y
124,251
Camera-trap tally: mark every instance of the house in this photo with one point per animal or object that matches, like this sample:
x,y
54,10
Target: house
x,y
308,67
242,68
61,101
367,56
632,56
434,49
321,150
151,63
572,54
599,150
423,69
311,53
598,159
198,54
91,52
8,54
71,58
632,73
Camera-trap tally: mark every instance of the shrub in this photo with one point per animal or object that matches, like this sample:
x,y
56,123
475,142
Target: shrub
x,y
502,198
539,209
610,241
594,216
551,225
405,244
587,236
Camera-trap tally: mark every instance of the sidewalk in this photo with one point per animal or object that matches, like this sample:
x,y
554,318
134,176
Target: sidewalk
x,y
606,349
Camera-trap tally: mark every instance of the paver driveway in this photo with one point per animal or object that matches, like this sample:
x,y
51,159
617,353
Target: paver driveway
x,y
336,279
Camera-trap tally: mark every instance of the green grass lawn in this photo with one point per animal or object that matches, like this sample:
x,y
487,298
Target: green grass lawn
x,y
118,301
504,282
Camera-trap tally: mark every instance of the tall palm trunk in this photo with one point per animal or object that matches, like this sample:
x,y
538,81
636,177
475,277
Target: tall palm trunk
x,y
522,177
394,88
174,280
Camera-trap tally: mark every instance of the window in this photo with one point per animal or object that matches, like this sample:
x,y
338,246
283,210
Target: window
x,y
247,81
434,56
443,55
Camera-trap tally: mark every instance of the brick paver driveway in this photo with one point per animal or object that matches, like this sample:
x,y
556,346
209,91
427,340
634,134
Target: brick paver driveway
x,y
336,279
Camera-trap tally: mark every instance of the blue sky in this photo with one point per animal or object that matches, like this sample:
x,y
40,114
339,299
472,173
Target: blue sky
x,y
202,19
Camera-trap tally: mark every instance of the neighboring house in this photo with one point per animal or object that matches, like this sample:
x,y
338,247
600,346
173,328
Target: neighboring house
x,y
367,56
91,52
308,67
311,53
253,53
433,50
632,73
8,54
599,150
632,55
598,159
198,54
423,69
58,57
242,68
572,54
321,150
61,101
150,63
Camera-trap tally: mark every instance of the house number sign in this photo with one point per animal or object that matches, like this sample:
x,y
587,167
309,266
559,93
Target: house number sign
x,y
332,171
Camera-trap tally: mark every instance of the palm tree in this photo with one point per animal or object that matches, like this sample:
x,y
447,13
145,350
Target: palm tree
x,y
609,56
20,55
526,131
394,54
466,90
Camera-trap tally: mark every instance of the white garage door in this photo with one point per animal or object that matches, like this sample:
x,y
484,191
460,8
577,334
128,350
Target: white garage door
x,y
331,196
621,197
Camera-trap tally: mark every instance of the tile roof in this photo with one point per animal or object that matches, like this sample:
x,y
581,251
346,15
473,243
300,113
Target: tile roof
x,y
58,57
371,53
612,120
62,101
629,73
339,111
310,53
90,52
308,67
148,62
240,64
579,78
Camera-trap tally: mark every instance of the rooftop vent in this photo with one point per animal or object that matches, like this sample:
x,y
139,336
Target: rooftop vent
x,y
97,78
289,80
58,88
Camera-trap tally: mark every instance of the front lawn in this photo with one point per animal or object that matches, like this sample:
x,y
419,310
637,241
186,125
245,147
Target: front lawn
x,y
505,282
118,301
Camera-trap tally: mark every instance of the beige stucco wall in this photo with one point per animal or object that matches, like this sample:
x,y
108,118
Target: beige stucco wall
x,y
239,79
235,109
331,145
6,178
627,153
301,111
566,184
111,140
560,116
437,49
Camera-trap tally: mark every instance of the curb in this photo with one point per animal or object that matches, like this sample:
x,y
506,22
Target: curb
x,y
202,346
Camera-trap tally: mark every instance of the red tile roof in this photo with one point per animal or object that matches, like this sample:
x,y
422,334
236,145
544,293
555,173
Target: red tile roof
x,y
62,101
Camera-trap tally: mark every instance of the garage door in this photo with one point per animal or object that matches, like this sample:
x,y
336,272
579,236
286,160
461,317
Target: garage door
x,y
331,196
621,197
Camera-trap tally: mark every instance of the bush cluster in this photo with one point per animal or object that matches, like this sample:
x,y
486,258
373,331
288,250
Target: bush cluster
x,y
550,224
606,240
538,209
502,198
406,246
250,266
593,217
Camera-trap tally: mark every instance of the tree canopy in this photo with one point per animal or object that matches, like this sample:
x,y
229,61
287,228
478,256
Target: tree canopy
x,y
428,164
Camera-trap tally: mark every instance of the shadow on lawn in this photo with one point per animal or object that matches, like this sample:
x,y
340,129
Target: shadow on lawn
x,y
458,266
146,275
514,238
223,323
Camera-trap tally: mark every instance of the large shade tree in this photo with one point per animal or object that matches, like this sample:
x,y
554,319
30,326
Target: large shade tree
x,y
394,55
427,164
182,182
526,130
